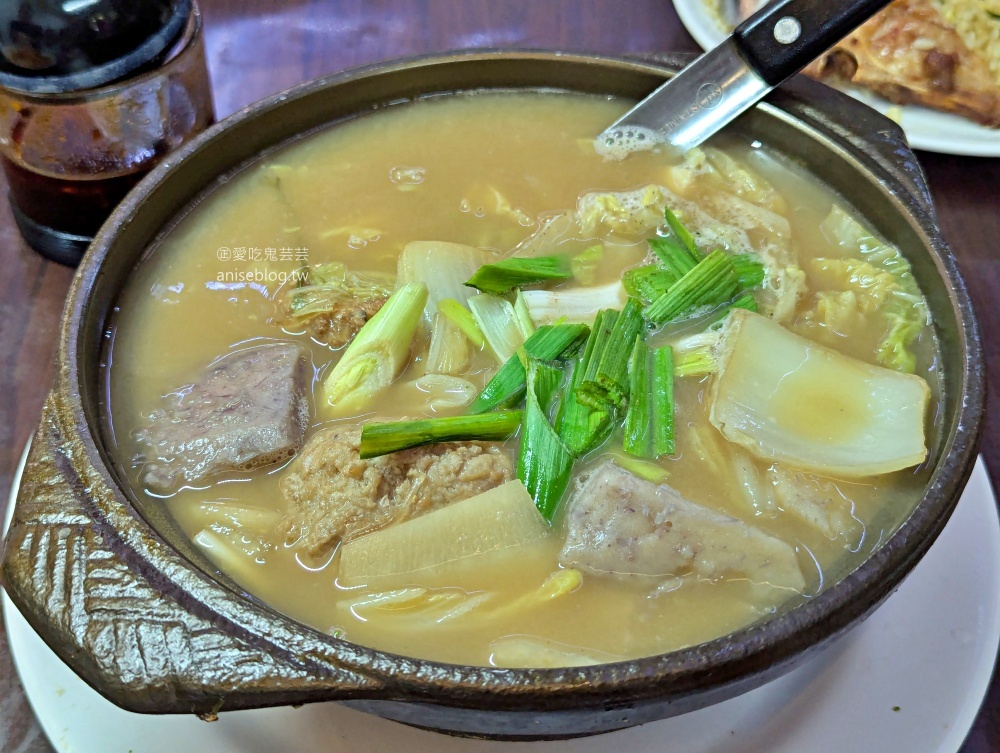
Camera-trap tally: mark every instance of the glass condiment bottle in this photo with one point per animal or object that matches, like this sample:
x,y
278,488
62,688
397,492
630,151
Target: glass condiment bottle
x,y
93,93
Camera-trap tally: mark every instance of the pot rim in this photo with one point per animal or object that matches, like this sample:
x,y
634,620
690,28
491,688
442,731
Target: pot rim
x,y
771,643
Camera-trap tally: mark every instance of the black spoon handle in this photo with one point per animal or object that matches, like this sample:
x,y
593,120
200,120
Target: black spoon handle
x,y
786,35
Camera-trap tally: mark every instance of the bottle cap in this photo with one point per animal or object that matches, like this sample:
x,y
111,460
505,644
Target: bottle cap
x,y
59,46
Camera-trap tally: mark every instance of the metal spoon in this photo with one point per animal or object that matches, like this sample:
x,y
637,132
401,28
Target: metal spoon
x,y
773,44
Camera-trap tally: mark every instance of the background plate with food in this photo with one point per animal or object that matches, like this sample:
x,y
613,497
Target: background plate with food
x,y
966,26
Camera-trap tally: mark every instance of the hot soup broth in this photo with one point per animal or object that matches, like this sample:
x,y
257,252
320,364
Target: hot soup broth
x,y
776,484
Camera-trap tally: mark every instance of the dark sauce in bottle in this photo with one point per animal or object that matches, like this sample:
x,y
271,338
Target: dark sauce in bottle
x,y
75,207
86,181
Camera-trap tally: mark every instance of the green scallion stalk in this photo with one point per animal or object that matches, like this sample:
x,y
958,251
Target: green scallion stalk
x,y
745,301
462,318
682,233
711,282
661,380
649,421
600,424
649,282
637,439
380,439
546,381
582,427
544,463
609,387
673,257
749,269
612,372
600,335
512,273
573,420
548,343
377,354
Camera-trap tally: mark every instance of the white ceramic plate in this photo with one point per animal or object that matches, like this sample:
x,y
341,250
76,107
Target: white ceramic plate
x,y
925,129
909,680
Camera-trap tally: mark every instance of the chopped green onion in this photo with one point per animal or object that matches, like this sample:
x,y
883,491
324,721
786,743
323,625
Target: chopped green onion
x,y
674,258
600,335
637,439
544,463
749,269
745,301
378,353
649,282
610,384
462,318
682,234
573,420
380,439
661,378
649,422
512,273
548,343
584,264
712,281
580,426
545,383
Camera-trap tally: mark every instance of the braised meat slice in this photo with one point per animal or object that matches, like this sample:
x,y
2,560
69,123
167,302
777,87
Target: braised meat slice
x,y
621,524
248,410
332,494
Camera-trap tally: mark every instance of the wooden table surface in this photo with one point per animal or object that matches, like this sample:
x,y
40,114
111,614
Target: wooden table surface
x,y
258,47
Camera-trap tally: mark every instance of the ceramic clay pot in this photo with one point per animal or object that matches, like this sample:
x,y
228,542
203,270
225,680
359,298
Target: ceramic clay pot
x,y
121,595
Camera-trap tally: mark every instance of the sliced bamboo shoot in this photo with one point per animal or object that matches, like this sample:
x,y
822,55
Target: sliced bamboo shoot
x,y
460,535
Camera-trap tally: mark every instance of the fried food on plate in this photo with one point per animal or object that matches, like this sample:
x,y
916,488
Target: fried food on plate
x,y
909,54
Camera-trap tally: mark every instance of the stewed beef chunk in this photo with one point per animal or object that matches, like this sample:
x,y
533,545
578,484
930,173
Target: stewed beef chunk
x,y
248,410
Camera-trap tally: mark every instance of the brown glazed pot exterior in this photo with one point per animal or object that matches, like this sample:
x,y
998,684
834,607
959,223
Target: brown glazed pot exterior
x,y
134,611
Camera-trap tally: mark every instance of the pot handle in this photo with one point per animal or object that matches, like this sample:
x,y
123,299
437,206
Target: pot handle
x,y
124,634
